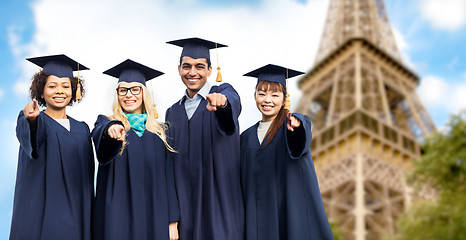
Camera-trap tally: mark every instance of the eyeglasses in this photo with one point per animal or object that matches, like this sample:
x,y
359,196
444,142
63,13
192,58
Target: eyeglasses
x,y
122,91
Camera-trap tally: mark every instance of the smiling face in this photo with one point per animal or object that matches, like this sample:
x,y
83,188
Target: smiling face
x,y
269,99
57,93
194,73
131,103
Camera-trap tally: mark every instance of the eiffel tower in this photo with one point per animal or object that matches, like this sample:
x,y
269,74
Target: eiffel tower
x,y
367,119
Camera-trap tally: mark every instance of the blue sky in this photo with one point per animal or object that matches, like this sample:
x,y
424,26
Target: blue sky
x,y
100,34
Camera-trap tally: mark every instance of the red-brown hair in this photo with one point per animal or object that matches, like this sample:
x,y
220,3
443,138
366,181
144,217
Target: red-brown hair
x,y
281,116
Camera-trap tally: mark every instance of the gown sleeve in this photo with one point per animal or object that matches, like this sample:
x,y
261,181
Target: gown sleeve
x,y
173,207
30,138
299,140
167,122
227,117
106,147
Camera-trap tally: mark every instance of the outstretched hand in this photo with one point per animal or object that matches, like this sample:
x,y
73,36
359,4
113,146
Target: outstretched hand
x,y
215,100
116,131
31,110
292,122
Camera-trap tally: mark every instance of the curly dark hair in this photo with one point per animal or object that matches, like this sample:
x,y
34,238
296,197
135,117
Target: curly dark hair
x,y
38,84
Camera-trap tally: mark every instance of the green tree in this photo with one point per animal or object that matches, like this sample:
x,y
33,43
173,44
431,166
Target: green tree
x,y
336,230
442,167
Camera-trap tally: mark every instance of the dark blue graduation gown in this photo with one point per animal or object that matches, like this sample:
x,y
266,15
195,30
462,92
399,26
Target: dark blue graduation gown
x,y
54,181
281,193
135,196
207,169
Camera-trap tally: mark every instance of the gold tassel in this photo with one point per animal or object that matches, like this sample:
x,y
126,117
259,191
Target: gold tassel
x,y
78,91
287,97
156,114
287,101
219,75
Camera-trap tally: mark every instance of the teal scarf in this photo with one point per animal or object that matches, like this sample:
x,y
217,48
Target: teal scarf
x,y
137,122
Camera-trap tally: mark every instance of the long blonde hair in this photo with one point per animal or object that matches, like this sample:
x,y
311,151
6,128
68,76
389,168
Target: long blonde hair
x,y
152,125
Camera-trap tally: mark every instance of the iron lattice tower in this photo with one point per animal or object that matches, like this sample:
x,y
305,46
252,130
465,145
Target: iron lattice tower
x,y
367,118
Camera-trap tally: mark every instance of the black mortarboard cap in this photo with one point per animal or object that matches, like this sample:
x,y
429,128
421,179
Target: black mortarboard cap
x,y
131,71
58,65
273,73
196,47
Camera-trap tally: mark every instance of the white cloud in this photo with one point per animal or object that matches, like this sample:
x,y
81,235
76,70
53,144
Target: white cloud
x,y
458,97
2,93
440,95
20,51
9,143
101,34
400,40
444,14
432,91
9,148
403,48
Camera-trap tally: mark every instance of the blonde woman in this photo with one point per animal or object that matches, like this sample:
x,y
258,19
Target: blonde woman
x,y
135,196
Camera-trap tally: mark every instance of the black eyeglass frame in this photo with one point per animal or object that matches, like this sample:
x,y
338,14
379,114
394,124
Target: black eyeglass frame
x,y
129,89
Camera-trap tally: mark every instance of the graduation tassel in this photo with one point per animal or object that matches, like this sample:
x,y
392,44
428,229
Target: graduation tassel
x,y
156,114
78,88
287,101
78,91
287,97
219,75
